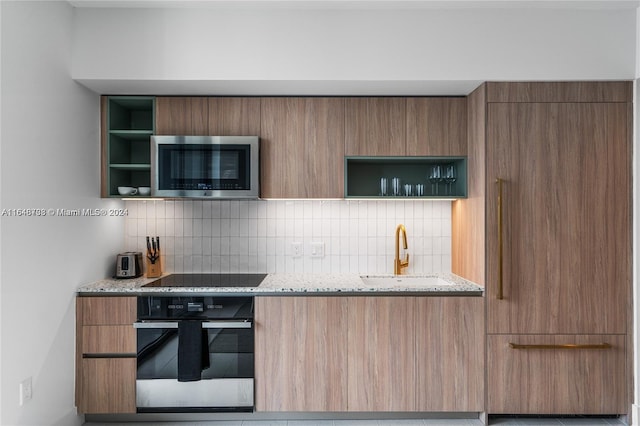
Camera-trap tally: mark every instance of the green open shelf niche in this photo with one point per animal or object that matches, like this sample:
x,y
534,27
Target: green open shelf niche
x,y
363,174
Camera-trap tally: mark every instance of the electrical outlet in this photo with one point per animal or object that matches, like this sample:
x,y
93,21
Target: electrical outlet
x,y
296,249
317,249
26,390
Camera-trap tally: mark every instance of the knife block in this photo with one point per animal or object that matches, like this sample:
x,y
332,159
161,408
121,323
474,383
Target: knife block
x,y
154,270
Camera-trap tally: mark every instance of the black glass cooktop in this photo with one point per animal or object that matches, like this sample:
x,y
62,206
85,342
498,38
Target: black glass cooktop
x,y
208,280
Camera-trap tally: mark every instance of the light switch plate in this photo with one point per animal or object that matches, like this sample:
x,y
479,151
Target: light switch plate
x,y
26,390
317,249
296,249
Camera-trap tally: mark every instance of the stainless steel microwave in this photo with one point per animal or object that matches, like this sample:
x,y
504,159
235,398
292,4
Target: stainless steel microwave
x,y
205,166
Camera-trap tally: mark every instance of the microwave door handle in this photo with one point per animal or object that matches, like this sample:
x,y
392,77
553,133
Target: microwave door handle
x,y
207,324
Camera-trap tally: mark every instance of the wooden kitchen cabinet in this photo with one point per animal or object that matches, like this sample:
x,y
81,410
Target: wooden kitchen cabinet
x,y
302,147
566,217
450,333
369,353
301,353
234,116
536,380
214,116
381,354
178,115
563,153
375,126
105,355
436,126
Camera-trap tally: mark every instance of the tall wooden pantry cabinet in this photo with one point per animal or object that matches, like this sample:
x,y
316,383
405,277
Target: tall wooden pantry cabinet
x,y
554,161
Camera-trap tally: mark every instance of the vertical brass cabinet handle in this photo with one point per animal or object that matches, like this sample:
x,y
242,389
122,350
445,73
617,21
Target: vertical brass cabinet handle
x,y
566,346
500,260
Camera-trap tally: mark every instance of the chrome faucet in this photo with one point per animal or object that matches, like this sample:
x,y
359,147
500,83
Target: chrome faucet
x,y
398,264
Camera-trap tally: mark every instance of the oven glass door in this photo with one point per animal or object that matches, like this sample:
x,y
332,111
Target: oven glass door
x,y
226,385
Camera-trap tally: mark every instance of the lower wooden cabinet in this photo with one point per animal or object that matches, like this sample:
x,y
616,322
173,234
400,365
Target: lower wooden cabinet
x,y
105,355
381,354
301,353
369,353
450,336
539,376
109,385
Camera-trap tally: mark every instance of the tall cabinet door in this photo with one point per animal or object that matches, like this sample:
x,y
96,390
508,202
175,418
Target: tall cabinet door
x,y
565,217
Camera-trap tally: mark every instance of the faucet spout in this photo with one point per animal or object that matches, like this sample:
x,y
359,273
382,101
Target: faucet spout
x,y
398,264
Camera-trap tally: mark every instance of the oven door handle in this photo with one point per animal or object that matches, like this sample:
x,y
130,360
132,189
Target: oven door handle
x,y
205,324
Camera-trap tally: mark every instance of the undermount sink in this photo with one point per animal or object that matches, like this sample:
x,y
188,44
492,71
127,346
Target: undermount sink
x,y
404,280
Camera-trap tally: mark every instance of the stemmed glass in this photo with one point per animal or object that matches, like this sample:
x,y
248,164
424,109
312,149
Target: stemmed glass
x,y
435,177
450,177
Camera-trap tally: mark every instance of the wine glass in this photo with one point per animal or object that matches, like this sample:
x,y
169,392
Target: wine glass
x,y
450,177
435,177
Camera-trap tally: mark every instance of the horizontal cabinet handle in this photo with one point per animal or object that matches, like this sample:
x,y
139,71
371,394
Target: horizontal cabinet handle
x,y
108,355
565,346
205,324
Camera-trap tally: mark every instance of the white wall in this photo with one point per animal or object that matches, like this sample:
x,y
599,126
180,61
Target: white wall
x,y
50,159
284,50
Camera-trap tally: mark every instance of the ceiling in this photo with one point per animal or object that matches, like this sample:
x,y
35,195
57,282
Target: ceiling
x,y
319,87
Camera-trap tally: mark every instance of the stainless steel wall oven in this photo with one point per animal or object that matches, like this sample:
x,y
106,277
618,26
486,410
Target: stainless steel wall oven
x,y
195,354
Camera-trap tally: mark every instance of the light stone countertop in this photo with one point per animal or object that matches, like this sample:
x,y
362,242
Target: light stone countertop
x,y
320,284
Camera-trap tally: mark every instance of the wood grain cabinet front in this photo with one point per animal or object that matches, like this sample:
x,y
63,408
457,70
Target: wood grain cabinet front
x,y
381,354
560,374
375,126
177,115
552,162
369,353
450,354
437,126
105,355
302,147
301,354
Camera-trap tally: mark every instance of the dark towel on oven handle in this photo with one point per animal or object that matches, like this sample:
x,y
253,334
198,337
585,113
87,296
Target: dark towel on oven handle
x,y
193,350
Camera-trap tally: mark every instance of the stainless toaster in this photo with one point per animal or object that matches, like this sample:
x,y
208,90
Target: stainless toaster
x,y
129,265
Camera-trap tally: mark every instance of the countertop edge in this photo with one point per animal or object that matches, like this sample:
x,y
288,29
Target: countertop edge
x,y
288,284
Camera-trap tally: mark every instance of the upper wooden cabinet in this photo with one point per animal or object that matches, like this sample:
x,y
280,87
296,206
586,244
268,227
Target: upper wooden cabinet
x,y
182,116
436,126
375,126
231,116
302,147
303,139
217,116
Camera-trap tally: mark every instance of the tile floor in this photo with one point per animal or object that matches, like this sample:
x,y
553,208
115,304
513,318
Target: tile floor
x,y
521,421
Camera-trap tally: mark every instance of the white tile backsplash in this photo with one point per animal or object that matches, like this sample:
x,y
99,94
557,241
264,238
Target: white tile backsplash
x,y
256,236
